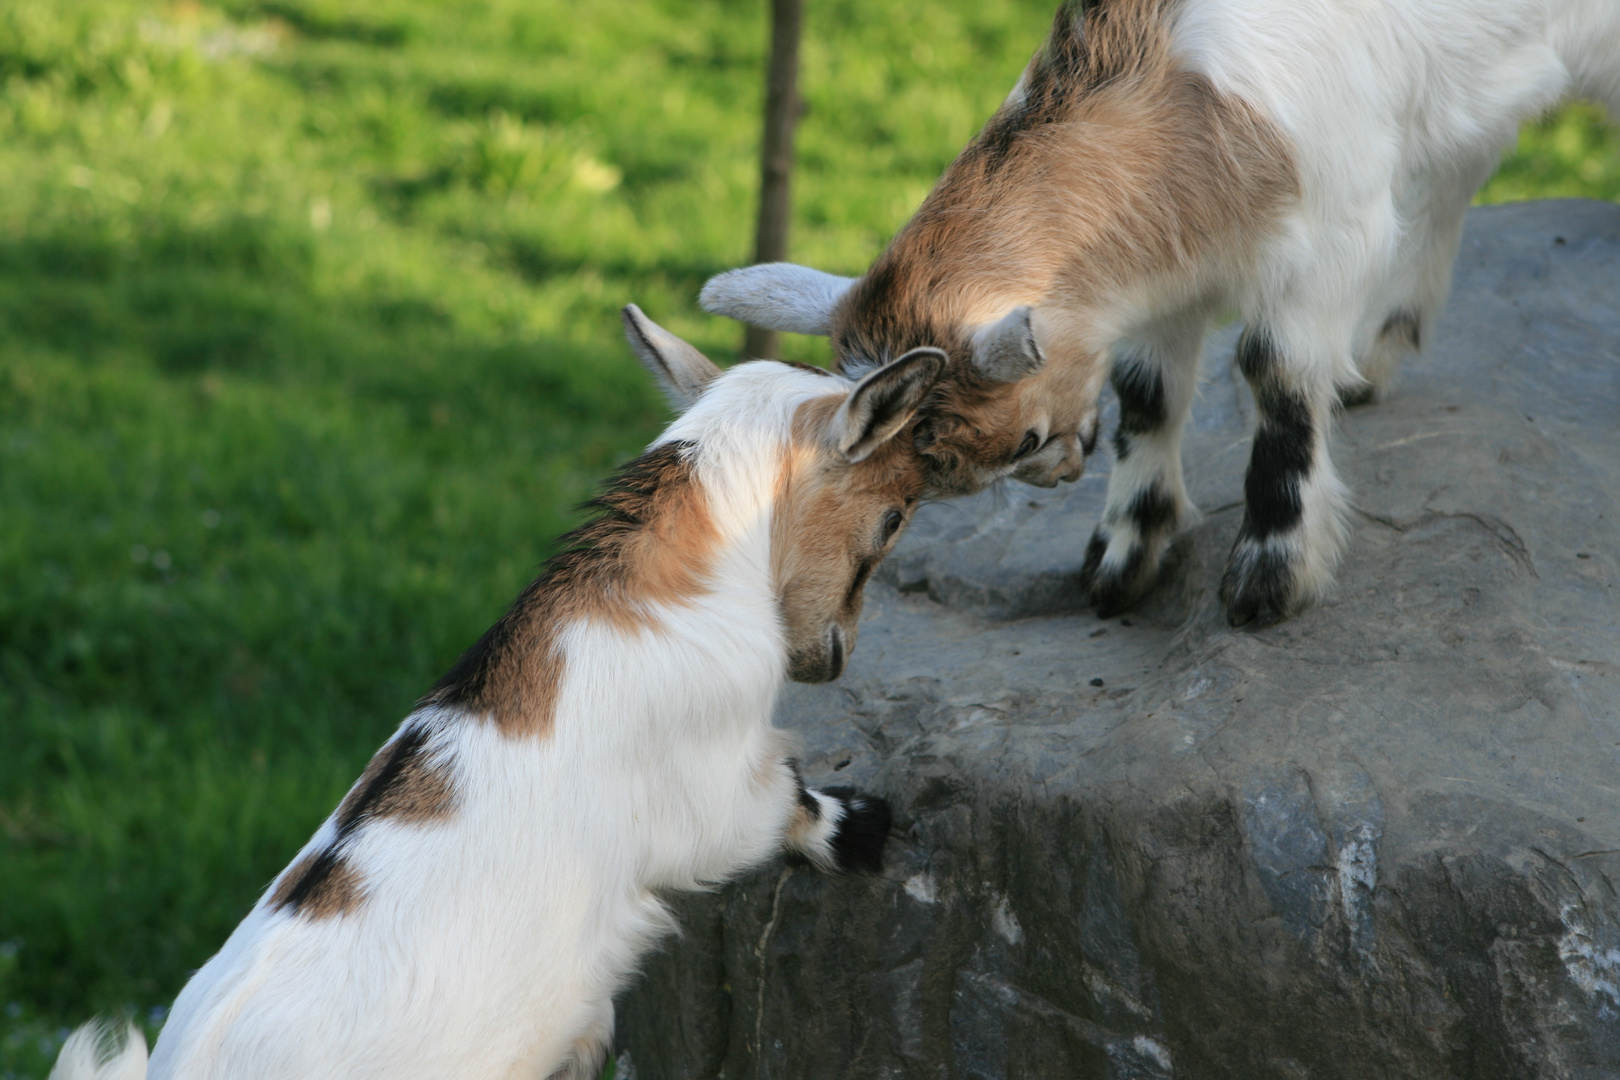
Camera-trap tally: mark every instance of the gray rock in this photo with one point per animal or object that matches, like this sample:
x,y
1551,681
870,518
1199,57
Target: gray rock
x,y
1378,840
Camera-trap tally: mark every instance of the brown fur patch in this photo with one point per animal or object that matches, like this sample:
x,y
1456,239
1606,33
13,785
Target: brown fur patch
x,y
401,782
320,885
651,541
1114,172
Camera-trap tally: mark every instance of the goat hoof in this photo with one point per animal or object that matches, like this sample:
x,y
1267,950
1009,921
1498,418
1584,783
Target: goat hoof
x,y
1259,585
1353,397
1113,589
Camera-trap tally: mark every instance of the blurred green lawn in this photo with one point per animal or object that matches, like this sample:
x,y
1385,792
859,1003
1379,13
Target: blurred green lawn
x,y
308,347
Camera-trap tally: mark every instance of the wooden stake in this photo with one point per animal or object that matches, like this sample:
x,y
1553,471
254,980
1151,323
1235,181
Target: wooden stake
x,y
776,153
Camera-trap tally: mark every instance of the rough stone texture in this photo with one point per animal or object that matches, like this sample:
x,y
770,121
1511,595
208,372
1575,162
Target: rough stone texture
x,y
1378,840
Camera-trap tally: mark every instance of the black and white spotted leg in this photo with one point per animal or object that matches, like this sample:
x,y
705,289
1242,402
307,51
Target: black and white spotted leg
x,y
837,828
1293,526
1147,501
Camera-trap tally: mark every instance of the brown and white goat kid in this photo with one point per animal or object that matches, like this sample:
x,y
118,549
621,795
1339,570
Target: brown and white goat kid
x,y
1304,162
489,882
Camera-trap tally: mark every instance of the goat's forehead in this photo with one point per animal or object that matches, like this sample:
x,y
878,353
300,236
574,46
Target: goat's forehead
x,y
893,473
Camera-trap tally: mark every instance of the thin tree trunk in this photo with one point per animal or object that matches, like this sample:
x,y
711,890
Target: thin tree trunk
x,y
776,152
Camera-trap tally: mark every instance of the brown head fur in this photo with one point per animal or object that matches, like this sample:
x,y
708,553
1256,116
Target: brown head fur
x,y
833,522
1110,175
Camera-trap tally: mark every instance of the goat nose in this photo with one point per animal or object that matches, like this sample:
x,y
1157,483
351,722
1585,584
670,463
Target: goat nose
x,y
837,652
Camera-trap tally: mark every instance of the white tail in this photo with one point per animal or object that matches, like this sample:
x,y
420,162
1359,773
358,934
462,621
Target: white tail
x,y
102,1050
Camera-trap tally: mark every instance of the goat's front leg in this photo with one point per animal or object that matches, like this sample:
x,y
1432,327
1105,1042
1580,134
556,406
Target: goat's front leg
x,y
1293,526
590,1049
836,828
1147,500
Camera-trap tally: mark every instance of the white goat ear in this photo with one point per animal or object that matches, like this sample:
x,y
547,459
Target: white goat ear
x,y
777,296
884,402
682,372
1005,351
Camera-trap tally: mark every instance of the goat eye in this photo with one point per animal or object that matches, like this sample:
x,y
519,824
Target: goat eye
x,y
891,524
1027,447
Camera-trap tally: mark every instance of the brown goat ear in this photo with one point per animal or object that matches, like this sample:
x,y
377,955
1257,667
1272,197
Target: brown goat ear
x,y
884,402
1005,351
777,296
682,372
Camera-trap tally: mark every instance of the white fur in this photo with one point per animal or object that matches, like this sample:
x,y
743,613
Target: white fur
x,y
84,1056
1394,112
489,944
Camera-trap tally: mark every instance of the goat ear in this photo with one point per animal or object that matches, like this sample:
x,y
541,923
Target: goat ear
x,y
777,296
682,372
884,402
1005,351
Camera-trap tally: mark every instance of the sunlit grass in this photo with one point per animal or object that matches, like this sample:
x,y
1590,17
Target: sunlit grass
x,y
308,347
1574,153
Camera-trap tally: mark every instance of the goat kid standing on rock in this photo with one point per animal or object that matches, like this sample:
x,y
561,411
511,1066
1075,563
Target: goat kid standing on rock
x,y
489,882
1305,162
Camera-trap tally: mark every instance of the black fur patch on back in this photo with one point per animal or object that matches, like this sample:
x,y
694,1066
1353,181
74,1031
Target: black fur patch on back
x,y
858,844
401,782
481,680
319,886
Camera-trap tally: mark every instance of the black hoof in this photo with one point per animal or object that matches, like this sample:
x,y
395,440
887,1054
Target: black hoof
x,y
1113,591
1258,587
858,844
1351,397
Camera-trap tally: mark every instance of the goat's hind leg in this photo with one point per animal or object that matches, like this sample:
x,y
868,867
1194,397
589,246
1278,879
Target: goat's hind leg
x,y
1155,381
1416,292
837,828
1293,528
1400,336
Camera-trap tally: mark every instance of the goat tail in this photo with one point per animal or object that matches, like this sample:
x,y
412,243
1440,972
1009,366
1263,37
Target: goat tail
x,y
102,1050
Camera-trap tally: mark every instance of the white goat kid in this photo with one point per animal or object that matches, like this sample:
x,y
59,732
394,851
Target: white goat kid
x,y
1305,162
489,882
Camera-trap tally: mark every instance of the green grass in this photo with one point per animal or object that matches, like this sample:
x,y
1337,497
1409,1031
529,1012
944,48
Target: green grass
x,y
308,347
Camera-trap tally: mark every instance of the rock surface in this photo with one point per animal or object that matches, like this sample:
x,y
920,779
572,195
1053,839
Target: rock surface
x,y
1379,840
